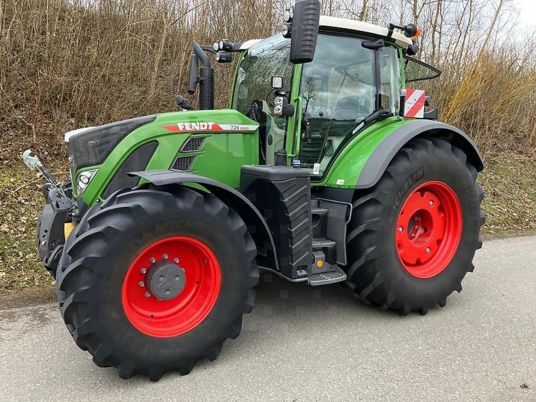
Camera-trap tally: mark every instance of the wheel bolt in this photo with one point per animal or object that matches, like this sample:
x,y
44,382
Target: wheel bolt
x,y
152,260
176,260
141,283
165,256
143,271
427,250
400,229
147,294
431,203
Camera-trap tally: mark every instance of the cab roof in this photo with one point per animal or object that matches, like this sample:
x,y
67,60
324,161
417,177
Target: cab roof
x,y
350,25
365,27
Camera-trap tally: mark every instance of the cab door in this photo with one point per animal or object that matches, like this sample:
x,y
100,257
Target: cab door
x,y
337,91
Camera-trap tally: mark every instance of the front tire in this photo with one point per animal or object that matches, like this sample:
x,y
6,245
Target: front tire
x,y
153,281
412,238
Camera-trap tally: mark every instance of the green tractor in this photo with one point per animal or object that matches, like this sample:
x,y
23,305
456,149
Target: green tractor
x,y
324,169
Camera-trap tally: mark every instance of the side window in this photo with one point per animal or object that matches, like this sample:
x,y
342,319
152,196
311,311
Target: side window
x,y
338,92
390,79
417,70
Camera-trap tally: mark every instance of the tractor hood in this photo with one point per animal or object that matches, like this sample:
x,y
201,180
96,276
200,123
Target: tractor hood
x,y
211,143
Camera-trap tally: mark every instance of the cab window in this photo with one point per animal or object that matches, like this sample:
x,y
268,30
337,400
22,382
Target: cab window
x,y
253,87
417,70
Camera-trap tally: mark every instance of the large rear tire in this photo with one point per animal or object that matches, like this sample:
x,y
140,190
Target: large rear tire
x,y
412,238
153,281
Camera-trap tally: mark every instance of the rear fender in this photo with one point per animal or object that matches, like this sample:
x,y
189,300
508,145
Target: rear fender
x,y
257,226
382,155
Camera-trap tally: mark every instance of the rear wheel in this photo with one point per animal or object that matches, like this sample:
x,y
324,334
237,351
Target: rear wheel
x,y
412,238
153,281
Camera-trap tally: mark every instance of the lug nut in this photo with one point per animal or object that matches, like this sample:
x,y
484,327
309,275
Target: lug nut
x,y
176,260
400,229
152,260
141,283
431,203
143,271
165,256
147,294
427,250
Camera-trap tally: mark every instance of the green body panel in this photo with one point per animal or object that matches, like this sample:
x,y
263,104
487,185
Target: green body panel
x,y
221,157
347,166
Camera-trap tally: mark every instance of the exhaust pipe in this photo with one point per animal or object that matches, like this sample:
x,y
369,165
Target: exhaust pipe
x,y
203,75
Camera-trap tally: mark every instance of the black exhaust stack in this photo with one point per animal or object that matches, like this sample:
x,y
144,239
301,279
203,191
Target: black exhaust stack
x,y
203,75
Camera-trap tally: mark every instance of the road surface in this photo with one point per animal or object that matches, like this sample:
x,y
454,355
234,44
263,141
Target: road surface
x,y
302,343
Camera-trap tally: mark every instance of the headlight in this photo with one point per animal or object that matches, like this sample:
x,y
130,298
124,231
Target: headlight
x,y
84,179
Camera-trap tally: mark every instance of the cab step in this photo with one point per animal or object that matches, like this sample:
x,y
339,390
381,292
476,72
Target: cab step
x,y
319,244
319,211
327,278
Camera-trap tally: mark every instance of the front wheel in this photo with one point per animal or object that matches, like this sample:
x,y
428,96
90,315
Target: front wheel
x,y
412,238
153,281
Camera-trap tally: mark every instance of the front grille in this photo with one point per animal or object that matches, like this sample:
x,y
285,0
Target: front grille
x,y
183,163
92,146
193,144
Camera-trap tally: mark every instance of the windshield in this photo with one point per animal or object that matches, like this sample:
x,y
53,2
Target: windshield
x,y
262,61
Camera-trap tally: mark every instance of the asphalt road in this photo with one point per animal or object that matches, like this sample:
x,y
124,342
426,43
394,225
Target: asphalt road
x,y
302,343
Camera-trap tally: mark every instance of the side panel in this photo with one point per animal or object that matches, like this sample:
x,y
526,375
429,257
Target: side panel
x,y
347,166
364,160
231,142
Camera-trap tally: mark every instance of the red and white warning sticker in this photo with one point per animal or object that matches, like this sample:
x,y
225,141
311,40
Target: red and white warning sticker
x,y
208,127
414,106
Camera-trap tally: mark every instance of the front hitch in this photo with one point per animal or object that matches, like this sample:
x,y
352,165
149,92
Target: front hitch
x,y
34,163
56,215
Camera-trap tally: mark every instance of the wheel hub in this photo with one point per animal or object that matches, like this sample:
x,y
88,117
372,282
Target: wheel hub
x,y
171,286
429,228
166,280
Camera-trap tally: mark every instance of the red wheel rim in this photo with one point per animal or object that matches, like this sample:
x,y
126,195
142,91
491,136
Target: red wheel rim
x,y
429,229
185,311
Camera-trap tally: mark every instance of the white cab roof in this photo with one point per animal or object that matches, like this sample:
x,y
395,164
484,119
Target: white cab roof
x,y
247,44
349,25
358,26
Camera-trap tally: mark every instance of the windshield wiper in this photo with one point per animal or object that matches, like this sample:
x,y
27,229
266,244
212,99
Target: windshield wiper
x,y
373,117
377,115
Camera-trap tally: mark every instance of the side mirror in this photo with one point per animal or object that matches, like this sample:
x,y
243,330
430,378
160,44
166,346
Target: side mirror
x,y
304,21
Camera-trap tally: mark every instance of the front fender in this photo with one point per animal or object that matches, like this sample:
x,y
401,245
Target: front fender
x,y
231,197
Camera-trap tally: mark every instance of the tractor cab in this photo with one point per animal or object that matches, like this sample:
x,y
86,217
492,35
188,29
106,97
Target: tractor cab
x,y
316,86
355,79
